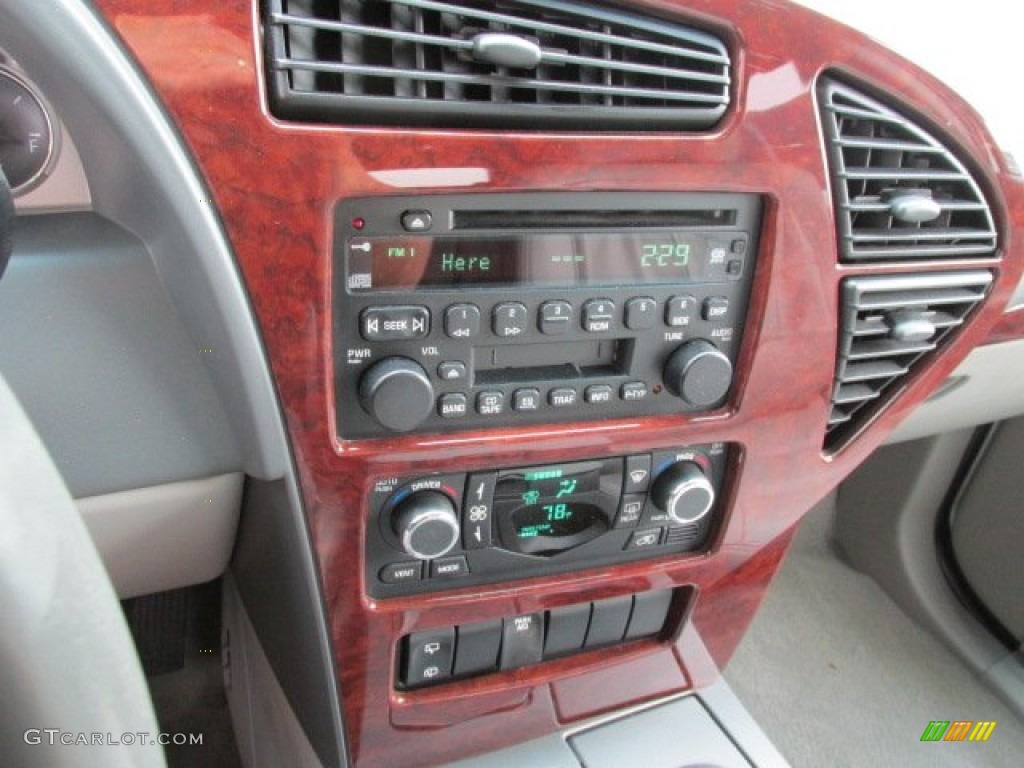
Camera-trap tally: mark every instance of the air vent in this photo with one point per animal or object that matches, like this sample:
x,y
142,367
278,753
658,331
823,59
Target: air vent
x,y
900,194
502,64
888,325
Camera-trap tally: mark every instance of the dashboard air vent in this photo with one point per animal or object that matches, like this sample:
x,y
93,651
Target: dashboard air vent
x,y
520,64
900,193
888,325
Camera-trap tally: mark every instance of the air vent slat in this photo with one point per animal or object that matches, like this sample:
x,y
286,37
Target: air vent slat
x,y
510,64
507,82
888,326
899,192
876,369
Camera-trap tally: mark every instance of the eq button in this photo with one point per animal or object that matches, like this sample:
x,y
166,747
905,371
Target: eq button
x,y
526,399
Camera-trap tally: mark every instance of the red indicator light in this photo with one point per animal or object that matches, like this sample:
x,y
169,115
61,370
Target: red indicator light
x,y
358,223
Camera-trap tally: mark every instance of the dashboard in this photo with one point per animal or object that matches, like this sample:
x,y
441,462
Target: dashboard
x,y
532,359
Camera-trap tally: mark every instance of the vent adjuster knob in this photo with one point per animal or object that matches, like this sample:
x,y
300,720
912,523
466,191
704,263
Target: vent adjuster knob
x,y
912,206
905,325
504,50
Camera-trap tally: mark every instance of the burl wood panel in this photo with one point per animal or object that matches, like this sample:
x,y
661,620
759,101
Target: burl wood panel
x,y
274,185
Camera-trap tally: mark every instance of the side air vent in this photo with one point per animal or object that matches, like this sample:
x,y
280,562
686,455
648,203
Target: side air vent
x,y
900,194
504,64
888,325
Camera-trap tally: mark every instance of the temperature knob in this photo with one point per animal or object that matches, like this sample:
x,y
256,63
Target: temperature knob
x,y
397,392
684,492
426,524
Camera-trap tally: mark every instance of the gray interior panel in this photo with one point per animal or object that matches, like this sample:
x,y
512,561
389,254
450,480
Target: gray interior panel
x,y
91,345
988,527
986,387
141,177
167,536
886,527
273,568
674,735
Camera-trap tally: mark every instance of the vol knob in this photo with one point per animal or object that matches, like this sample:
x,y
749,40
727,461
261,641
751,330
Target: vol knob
x,y
426,524
684,492
397,392
698,373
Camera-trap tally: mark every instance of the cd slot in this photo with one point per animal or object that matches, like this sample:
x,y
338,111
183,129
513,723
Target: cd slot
x,y
551,361
575,220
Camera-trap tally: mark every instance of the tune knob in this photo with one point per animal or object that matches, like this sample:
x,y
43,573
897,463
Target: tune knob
x,y
699,373
397,392
684,492
426,524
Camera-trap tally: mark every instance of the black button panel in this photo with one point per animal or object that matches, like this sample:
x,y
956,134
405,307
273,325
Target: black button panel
x,y
421,278
524,522
468,650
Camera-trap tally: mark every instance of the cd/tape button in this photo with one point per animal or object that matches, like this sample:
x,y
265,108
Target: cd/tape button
x,y
490,403
394,323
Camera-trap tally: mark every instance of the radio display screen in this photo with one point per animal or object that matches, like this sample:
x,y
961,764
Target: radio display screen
x,y
552,260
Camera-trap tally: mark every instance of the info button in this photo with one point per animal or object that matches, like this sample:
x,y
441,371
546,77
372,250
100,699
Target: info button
x,y
394,323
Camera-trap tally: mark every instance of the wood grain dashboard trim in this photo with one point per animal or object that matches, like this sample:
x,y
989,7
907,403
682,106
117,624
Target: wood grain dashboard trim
x,y
275,185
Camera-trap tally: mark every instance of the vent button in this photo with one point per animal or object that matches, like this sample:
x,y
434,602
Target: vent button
x,y
503,50
905,325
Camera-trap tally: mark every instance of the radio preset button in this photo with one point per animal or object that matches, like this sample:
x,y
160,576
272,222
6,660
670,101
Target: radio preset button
x,y
734,267
738,246
598,315
554,317
509,319
417,221
452,406
462,321
490,403
715,308
597,394
562,397
633,390
640,313
394,323
526,399
452,372
679,311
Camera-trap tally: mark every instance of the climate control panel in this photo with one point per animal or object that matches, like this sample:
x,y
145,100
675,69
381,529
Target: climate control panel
x,y
463,529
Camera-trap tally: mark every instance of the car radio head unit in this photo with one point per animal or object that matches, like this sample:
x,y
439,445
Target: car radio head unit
x,y
464,311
